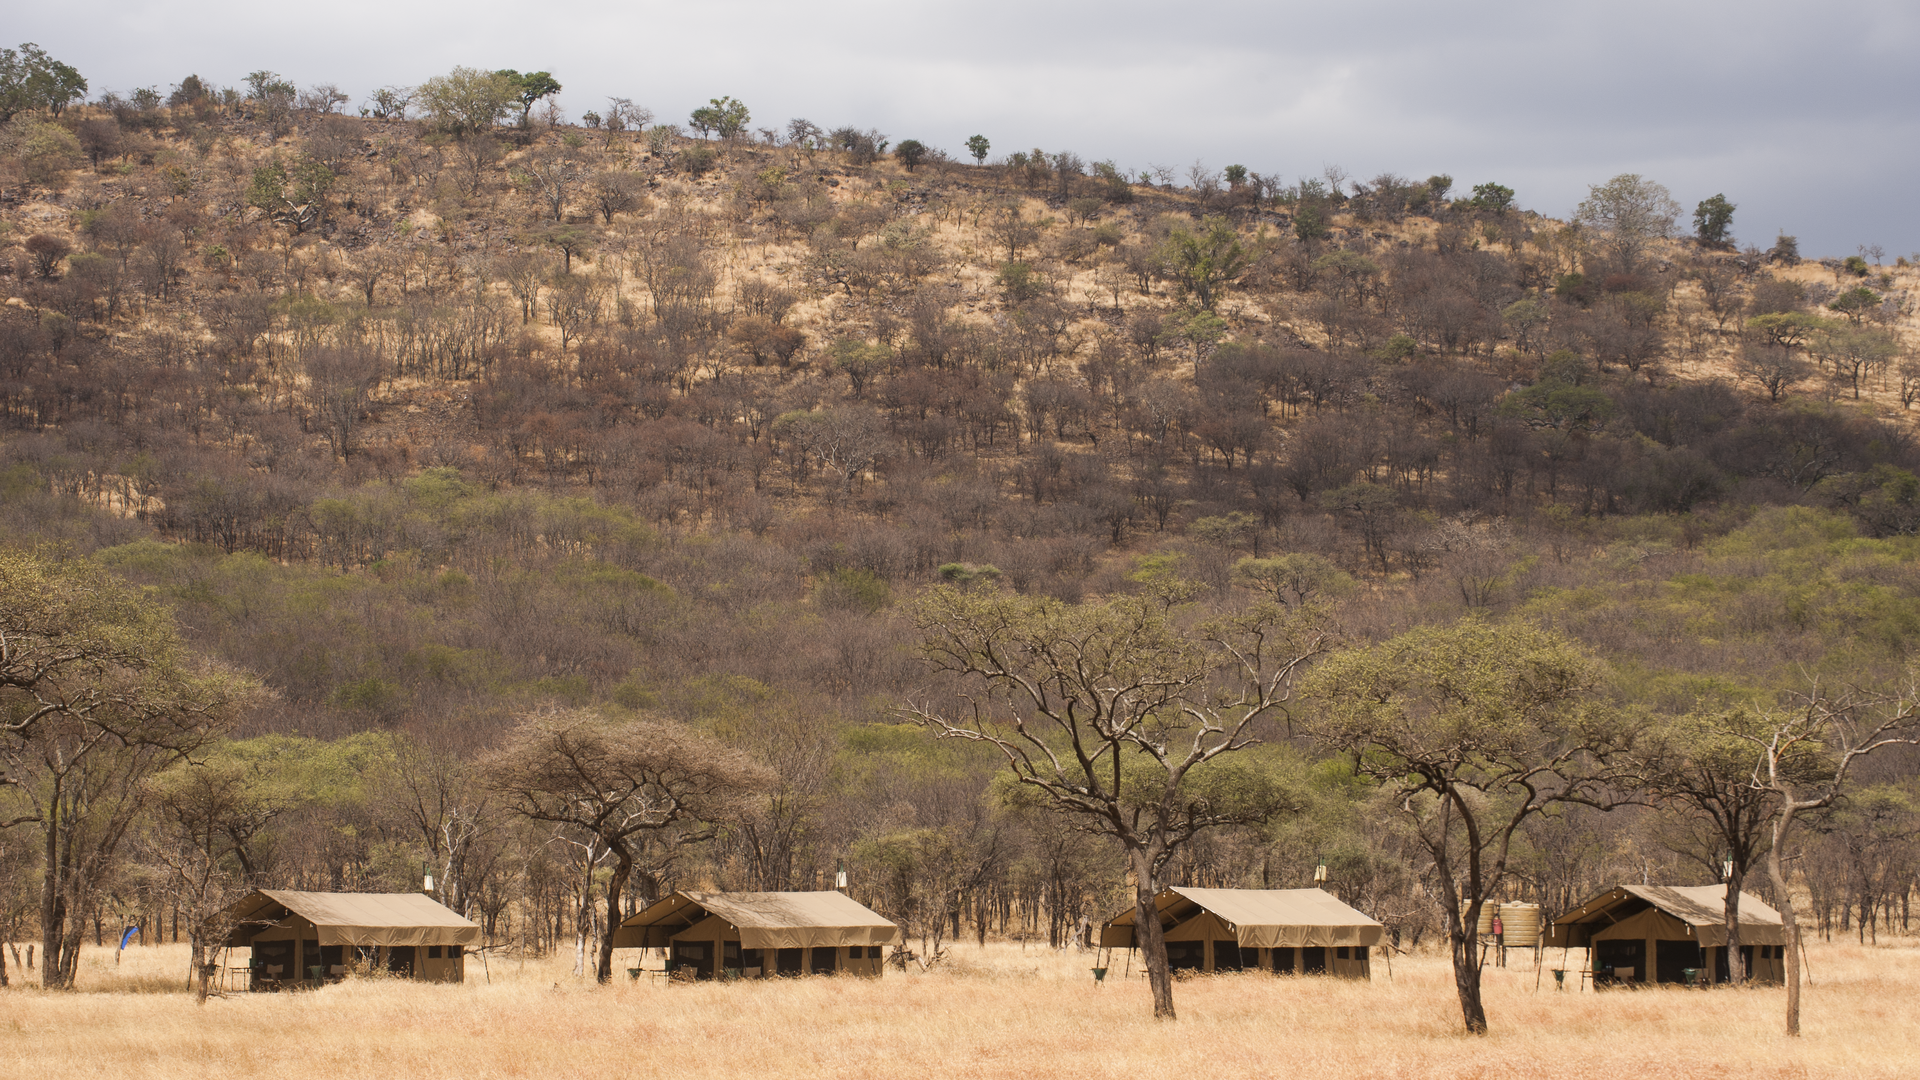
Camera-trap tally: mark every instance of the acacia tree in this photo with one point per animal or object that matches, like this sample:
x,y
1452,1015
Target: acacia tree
x,y
1122,717
96,695
466,102
205,816
846,440
1805,755
1204,262
528,89
1702,766
30,79
1478,728
1713,220
622,783
723,116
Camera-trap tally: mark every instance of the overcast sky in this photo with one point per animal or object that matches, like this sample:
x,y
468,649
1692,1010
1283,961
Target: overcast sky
x,y
1804,116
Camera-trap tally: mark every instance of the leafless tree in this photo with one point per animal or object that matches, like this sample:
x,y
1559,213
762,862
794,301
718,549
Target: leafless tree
x,y
1120,719
616,191
340,379
549,177
1806,753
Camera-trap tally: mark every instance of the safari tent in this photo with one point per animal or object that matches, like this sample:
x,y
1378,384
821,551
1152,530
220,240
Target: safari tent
x,y
1648,934
761,935
1287,931
311,937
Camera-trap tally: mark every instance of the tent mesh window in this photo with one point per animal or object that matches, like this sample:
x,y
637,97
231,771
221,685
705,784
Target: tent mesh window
x,y
1610,956
400,959
1675,957
1313,960
791,961
1226,956
271,960
693,955
1186,955
823,960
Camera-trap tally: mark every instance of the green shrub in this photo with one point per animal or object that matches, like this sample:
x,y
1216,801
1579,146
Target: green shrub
x,y
697,160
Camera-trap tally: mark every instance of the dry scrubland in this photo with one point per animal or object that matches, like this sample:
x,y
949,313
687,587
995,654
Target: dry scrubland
x,y
998,1012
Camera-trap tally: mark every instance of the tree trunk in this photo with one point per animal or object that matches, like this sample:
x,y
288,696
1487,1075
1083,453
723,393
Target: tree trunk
x,y
52,921
1463,931
1783,900
69,966
616,885
1148,935
1736,964
201,968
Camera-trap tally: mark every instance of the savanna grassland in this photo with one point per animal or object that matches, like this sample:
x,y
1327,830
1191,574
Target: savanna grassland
x,y
994,1012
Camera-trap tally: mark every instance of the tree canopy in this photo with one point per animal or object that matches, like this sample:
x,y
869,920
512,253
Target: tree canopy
x,y
1115,714
1630,212
30,80
613,781
467,102
1476,727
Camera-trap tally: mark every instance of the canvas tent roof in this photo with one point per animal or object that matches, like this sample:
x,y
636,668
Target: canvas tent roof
x,y
353,918
1698,909
765,920
1259,918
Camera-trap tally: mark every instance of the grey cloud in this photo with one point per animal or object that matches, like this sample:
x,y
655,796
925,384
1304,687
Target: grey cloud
x,y
1800,114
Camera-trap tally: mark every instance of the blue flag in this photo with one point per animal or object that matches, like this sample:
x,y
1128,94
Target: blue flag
x,y
128,936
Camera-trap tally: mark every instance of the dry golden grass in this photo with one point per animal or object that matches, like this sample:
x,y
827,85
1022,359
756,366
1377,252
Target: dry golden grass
x,y
992,1013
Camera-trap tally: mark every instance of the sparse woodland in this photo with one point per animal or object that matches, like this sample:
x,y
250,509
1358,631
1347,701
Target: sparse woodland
x,y
438,421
